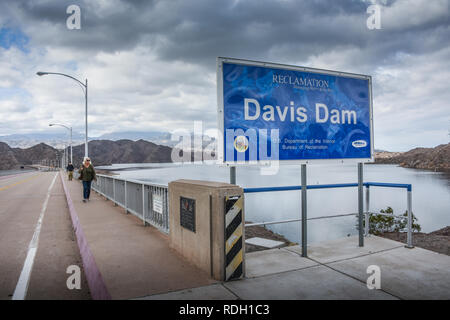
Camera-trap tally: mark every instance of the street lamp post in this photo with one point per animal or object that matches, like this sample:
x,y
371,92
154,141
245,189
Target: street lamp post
x,y
85,90
70,129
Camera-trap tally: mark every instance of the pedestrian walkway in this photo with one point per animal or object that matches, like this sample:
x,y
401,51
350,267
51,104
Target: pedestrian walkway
x,y
334,270
135,262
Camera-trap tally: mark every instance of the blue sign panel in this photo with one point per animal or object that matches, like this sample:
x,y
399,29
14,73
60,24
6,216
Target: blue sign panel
x,y
292,113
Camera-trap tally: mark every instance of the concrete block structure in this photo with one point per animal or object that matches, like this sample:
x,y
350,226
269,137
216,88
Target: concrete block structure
x,y
206,223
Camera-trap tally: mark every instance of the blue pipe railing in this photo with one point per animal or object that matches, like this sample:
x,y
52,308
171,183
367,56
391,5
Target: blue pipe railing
x,y
408,187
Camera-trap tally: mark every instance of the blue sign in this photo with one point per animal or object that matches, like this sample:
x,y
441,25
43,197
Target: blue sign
x,y
292,113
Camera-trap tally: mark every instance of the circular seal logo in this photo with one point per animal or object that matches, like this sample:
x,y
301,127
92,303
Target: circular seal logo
x,y
241,143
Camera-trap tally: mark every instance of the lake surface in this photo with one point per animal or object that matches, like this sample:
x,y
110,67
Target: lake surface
x,y
430,194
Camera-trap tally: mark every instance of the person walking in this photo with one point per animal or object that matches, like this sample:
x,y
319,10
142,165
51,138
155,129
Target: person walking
x,y
87,174
70,170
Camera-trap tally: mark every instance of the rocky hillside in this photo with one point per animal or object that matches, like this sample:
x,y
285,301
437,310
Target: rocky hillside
x,y
13,158
102,152
106,152
7,159
34,153
437,158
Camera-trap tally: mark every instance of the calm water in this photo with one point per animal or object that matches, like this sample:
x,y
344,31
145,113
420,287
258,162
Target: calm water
x,y
430,201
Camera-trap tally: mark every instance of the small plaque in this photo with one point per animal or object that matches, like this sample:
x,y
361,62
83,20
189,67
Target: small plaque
x,y
157,203
187,213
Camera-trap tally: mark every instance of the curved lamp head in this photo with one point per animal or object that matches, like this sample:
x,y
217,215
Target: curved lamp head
x,y
41,73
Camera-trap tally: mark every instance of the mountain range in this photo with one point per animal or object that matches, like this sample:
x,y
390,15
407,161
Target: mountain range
x,y
107,152
437,158
59,140
101,152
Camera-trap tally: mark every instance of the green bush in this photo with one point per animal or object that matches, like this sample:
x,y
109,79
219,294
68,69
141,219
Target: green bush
x,y
379,224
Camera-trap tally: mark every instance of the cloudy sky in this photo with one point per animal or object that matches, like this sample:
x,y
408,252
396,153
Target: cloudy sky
x,y
151,65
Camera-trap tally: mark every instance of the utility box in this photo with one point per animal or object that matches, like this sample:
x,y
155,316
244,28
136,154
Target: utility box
x,y
206,223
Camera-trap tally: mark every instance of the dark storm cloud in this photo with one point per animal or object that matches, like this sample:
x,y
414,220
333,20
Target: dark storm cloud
x,y
158,58
198,31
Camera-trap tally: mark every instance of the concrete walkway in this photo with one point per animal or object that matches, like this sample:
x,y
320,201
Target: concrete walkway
x,y
135,262
334,270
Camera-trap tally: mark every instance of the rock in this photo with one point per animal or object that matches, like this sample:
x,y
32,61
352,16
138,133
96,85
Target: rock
x,y
437,158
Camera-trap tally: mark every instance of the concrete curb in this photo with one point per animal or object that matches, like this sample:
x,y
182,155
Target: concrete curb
x,y
94,278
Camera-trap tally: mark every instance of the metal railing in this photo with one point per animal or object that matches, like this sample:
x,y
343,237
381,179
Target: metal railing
x,y
148,201
367,212
45,168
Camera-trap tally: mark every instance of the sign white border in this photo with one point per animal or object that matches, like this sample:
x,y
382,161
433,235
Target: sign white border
x,y
220,113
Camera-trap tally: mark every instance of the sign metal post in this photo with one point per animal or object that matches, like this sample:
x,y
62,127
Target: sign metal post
x,y
304,213
360,205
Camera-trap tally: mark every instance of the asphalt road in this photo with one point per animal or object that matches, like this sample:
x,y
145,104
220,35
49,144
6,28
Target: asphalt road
x,y
24,199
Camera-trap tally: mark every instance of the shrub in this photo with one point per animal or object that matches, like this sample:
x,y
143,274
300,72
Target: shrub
x,y
379,224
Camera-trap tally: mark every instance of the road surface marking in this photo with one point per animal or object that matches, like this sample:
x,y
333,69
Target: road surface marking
x,y
18,182
22,285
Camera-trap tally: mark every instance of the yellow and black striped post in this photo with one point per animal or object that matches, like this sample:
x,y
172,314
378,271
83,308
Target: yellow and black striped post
x,y
234,227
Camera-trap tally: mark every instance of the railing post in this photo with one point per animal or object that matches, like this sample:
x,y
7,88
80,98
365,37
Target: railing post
x,y
304,213
409,243
360,204
166,206
144,207
114,191
367,218
232,175
126,200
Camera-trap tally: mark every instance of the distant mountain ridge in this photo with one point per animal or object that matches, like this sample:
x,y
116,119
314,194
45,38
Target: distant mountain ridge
x,y
437,158
12,158
59,139
102,152
106,152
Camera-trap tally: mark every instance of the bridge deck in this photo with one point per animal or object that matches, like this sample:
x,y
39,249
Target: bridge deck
x,y
22,199
134,261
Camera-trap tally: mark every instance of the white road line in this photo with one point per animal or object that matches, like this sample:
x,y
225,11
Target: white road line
x,y
22,285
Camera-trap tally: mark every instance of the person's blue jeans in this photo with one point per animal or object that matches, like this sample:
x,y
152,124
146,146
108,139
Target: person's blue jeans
x,y
86,189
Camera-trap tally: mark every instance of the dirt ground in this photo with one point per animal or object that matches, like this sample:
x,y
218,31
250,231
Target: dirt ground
x,y
437,241
260,231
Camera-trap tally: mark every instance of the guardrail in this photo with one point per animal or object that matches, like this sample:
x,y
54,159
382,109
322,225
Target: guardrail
x,y
45,168
148,201
367,212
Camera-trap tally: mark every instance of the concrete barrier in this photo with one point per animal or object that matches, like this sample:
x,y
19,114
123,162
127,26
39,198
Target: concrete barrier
x,y
206,223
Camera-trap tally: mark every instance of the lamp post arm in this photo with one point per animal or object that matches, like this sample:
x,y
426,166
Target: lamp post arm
x,y
70,130
85,90
66,75
58,124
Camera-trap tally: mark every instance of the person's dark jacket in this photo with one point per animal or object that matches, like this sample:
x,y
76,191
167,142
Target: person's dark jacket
x,y
70,167
87,174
